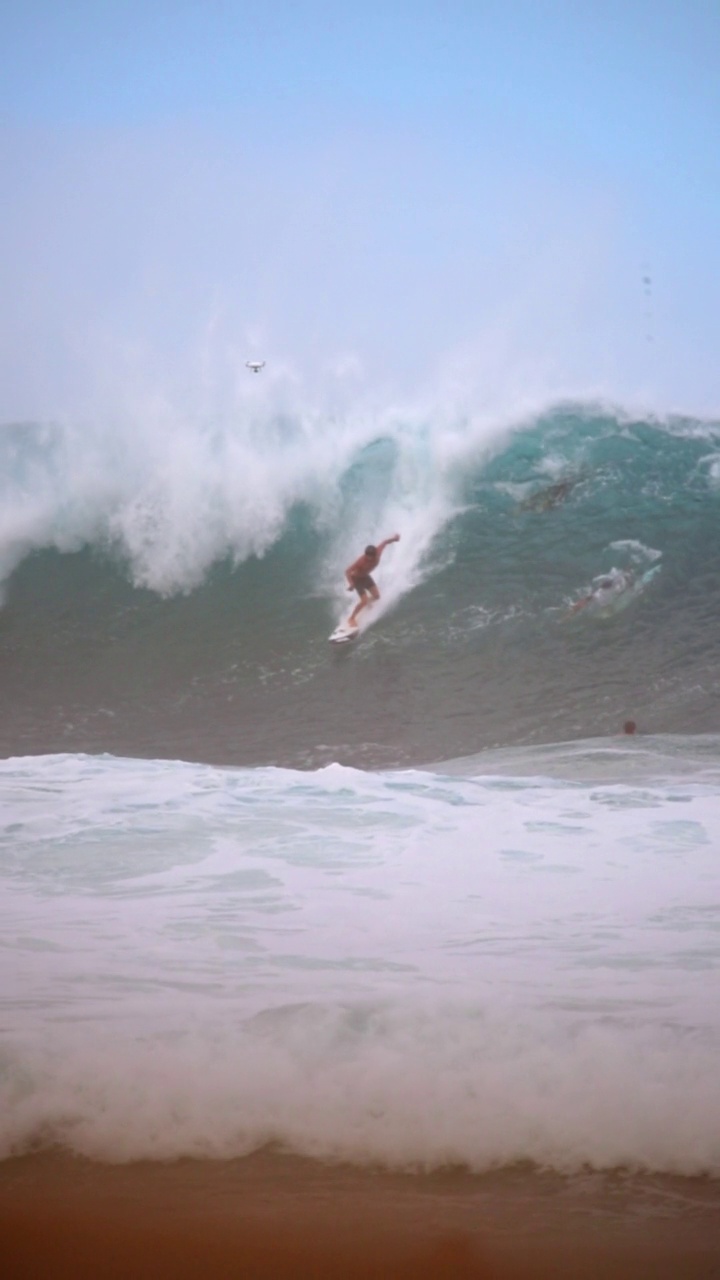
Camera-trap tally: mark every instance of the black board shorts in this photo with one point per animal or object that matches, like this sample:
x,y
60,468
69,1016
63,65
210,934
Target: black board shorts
x,y
364,584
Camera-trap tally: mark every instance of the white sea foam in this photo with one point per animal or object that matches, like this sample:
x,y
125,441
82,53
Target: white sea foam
x,y
413,967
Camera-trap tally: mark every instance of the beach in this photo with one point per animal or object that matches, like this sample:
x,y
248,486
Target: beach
x,y
280,1217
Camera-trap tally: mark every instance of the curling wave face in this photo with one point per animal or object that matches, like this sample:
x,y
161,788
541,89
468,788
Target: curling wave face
x,y
170,593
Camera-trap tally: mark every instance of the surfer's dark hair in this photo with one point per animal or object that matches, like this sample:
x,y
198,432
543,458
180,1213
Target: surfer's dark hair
x,y
370,550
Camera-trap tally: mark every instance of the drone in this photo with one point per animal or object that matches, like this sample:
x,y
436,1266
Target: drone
x,y
255,365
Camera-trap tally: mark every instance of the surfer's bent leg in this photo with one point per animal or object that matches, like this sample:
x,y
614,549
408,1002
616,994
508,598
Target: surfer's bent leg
x,y
352,620
368,593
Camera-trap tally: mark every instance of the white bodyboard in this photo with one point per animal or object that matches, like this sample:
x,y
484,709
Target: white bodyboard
x,y
619,600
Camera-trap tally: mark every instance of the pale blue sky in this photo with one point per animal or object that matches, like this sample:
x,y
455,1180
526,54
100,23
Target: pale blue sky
x,y
394,190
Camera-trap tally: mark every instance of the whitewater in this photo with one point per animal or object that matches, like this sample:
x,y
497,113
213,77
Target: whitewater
x,y
413,968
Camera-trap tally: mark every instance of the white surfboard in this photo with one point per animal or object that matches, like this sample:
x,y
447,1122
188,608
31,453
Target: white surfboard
x,y
343,634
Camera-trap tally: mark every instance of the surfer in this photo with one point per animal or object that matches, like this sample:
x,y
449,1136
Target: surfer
x,y
552,495
359,576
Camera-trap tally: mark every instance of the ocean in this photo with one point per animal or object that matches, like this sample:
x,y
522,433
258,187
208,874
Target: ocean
x,y
412,907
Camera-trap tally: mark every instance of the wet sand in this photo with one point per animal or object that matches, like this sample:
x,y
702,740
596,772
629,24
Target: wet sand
x,y
273,1217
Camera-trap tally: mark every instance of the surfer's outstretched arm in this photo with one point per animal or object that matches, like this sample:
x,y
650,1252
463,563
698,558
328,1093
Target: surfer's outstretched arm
x,y
366,562
382,545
